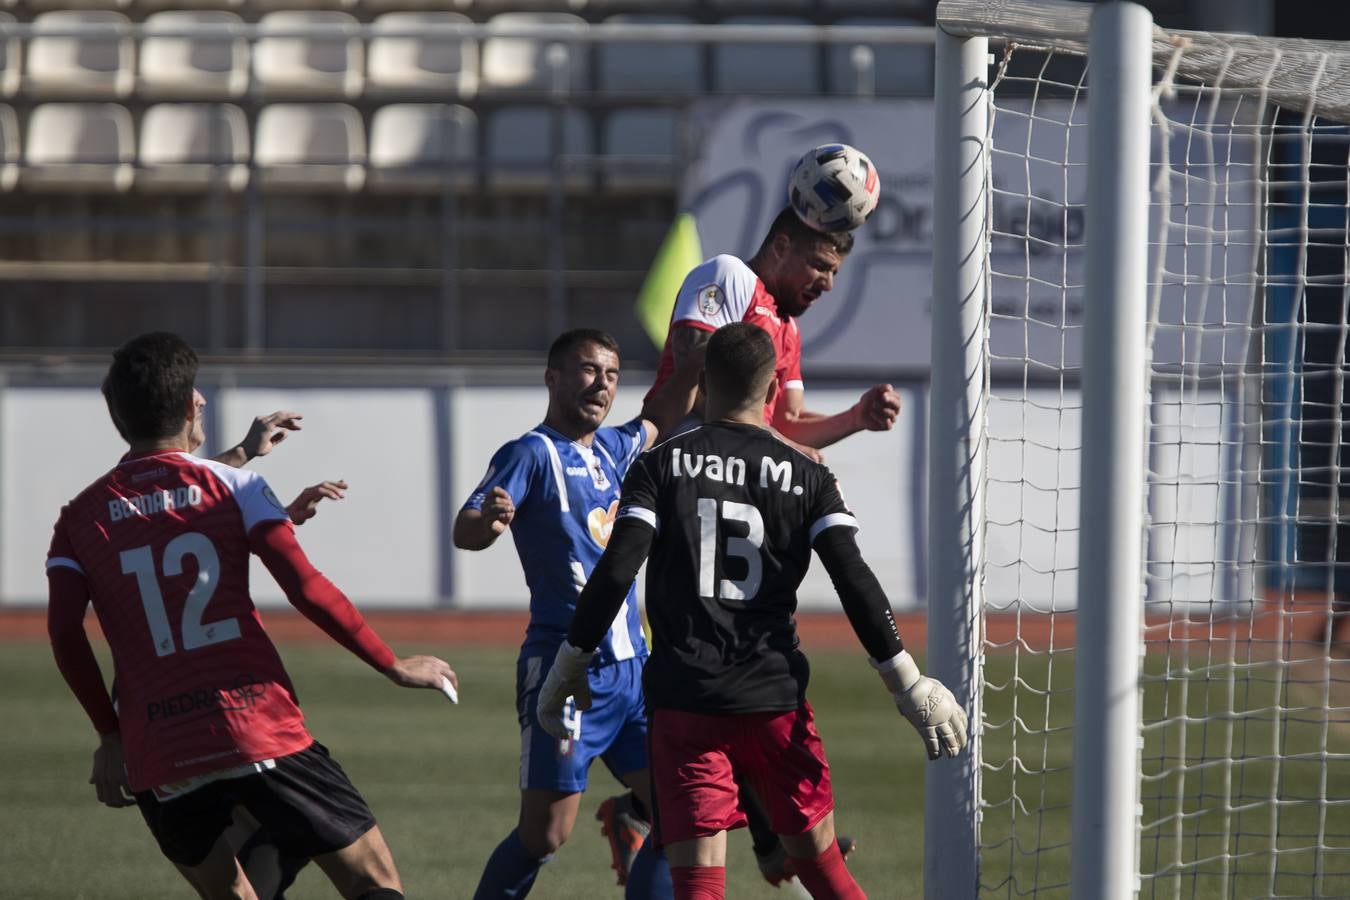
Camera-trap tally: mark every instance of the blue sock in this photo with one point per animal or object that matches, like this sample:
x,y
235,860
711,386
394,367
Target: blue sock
x,y
649,879
510,871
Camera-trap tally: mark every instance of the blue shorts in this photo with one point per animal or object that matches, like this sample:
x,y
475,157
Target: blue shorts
x,y
614,728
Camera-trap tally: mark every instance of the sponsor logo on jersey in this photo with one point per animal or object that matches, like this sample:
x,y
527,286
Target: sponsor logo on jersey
x,y
592,469
154,502
600,522
245,692
710,300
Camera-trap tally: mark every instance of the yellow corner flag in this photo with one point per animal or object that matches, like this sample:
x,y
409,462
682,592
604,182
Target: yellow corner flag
x,y
678,253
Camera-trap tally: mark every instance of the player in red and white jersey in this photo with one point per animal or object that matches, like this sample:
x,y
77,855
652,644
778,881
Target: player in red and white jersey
x,y
206,716
792,268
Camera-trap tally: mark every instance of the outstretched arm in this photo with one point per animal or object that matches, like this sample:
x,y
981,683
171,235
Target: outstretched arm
x,y
264,434
322,603
925,702
302,508
876,410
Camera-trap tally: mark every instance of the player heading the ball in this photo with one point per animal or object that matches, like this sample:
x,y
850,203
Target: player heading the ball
x,y
206,716
729,515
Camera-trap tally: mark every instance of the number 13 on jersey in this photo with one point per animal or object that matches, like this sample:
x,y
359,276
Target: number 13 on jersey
x,y
744,548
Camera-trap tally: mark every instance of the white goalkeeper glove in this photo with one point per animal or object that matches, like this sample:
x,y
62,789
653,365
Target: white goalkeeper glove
x,y
566,680
926,702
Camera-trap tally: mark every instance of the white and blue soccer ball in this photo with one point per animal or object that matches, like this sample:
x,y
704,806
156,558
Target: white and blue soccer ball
x,y
834,187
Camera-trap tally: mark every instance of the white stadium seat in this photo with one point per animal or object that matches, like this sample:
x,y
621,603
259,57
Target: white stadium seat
x,y
40,5
422,146
520,147
897,68
524,64
83,67
11,58
315,66
641,149
656,67
442,65
310,147
777,68
193,147
207,67
79,147
9,148
188,4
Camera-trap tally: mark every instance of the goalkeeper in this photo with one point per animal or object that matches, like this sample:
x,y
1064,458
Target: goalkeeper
x,y
729,514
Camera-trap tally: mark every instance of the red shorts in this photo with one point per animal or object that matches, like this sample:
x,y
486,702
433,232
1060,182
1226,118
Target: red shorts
x,y
696,759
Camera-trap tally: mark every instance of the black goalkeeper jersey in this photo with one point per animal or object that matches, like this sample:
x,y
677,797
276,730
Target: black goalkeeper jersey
x,y
736,511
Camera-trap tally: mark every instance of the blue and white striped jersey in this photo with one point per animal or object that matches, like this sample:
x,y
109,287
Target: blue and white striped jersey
x,y
566,497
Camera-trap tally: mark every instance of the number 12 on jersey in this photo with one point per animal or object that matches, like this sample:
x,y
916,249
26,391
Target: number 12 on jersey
x,y
746,548
141,563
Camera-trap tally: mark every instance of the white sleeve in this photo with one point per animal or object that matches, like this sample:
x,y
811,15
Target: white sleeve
x,y
251,493
716,293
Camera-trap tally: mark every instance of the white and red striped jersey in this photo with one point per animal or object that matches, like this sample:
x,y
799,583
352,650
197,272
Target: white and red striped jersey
x,y
725,290
162,541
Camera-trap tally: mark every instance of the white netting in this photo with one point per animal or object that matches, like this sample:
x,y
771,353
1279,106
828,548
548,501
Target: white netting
x,y
1245,759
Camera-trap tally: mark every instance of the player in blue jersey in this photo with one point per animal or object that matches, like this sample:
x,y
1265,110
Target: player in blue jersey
x,y
557,488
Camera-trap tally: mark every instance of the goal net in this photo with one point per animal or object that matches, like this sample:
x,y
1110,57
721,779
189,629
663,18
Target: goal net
x,y
1242,775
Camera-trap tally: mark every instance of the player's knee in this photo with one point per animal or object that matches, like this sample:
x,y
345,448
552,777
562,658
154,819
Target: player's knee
x,y
545,839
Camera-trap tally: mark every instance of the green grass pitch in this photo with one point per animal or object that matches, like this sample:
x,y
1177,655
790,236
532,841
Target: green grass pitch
x,y
442,781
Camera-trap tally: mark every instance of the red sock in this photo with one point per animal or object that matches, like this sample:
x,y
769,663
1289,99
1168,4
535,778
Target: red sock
x,y
700,882
826,876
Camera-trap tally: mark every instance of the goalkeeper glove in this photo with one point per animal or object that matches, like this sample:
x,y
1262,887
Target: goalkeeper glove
x,y
926,702
566,679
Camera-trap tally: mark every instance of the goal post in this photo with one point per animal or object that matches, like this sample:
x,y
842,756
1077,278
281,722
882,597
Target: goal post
x,y
956,448
1138,552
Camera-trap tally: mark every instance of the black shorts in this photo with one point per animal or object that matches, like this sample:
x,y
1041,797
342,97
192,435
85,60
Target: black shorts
x,y
307,804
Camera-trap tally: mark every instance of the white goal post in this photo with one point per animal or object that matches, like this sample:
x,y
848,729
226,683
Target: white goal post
x,y
1137,561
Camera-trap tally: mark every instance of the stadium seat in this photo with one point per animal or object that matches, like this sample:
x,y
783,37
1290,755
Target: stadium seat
x,y
282,5
83,67
520,147
9,148
416,147
207,67
442,65
79,147
655,67
193,147
41,5
311,67
896,68
149,5
777,68
310,147
11,58
642,147
522,64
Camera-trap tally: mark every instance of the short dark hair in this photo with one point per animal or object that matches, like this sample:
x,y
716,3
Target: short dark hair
x,y
577,337
789,223
149,386
740,363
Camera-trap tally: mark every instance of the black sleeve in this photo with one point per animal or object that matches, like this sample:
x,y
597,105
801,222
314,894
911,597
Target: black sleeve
x,y
865,603
605,590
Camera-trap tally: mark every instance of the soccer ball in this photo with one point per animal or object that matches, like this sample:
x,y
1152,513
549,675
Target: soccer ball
x,y
834,188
